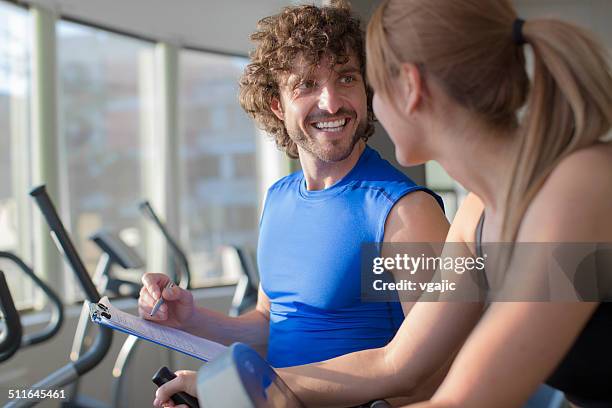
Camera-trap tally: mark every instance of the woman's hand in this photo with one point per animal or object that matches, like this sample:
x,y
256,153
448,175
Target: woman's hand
x,y
185,381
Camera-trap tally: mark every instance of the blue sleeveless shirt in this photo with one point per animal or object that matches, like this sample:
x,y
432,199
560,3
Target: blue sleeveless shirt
x,y
309,261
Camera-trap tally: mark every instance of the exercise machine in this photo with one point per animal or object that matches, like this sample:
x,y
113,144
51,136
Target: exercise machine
x,y
102,342
245,295
11,337
182,273
57,309
120,253
115,252
240,378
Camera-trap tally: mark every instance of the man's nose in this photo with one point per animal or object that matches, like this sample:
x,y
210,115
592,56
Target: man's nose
x,y
329,99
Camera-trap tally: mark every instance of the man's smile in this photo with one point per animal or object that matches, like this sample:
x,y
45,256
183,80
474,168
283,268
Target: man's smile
x,y
331,125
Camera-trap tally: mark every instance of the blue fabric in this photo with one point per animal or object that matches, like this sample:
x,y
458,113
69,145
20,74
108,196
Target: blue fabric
x,y
309,262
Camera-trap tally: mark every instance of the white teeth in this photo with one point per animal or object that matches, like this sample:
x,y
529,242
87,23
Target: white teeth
x,y
330,125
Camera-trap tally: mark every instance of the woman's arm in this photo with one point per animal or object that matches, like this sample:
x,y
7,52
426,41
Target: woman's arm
x,y
513,349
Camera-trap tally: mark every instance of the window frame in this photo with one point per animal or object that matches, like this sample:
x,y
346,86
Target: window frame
x,y
44,137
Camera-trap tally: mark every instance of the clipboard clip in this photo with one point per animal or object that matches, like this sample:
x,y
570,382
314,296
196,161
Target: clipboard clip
x,y
98,311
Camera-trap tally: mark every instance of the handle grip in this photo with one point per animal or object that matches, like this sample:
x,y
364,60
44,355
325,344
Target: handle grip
x,y
162,376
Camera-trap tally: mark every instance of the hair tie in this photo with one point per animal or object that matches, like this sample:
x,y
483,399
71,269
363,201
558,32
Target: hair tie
x,y
517,31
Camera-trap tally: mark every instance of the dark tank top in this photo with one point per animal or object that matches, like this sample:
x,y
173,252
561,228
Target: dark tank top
x,y
585,373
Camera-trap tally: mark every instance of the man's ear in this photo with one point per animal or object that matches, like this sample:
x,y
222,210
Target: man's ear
x,y
412,87
277,108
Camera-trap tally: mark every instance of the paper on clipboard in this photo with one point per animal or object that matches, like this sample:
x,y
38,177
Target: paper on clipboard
x,y
105,314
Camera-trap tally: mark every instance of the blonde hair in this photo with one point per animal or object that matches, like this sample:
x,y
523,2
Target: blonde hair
x,y
467,46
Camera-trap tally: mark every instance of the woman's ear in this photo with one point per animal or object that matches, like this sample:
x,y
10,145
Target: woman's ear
x,y
277,108
411,83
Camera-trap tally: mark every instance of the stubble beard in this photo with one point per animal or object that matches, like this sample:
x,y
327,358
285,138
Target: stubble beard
x,y
334,151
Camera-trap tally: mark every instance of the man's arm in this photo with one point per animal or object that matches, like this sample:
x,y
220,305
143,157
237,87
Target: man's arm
x,y
251,328
415,218
179,311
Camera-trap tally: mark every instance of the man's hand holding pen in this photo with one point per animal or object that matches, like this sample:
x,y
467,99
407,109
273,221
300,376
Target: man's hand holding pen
x,y
164,302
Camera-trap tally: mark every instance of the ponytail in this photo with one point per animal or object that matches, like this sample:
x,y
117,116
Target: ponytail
x,y
569,107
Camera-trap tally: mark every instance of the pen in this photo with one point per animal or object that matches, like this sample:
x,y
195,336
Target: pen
x,y
160,301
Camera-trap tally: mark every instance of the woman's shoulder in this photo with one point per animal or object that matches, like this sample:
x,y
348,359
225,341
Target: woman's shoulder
x,y
590,163
575,201
582,179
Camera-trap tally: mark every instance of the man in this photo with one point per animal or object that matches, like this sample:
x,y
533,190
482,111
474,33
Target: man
x,y
305,86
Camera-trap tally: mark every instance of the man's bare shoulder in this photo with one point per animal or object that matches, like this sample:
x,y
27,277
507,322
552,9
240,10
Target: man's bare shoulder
x,y
416,217
417,200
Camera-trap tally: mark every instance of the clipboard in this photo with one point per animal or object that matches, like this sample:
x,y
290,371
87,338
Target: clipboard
x,y
103,313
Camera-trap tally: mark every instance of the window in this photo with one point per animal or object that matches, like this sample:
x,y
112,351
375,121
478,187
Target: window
x,y
219,198
100,134
105,103
14,139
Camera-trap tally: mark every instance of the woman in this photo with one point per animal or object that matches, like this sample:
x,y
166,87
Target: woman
x,y
449,78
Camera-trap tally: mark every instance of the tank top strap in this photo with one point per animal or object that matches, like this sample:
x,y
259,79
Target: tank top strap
x,y
478,247
478,237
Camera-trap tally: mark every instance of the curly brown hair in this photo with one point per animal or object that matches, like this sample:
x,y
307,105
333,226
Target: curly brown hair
x,y
308,32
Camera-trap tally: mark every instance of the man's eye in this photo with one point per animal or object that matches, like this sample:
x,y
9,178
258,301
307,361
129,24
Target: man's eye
x,y
308,84
347,79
